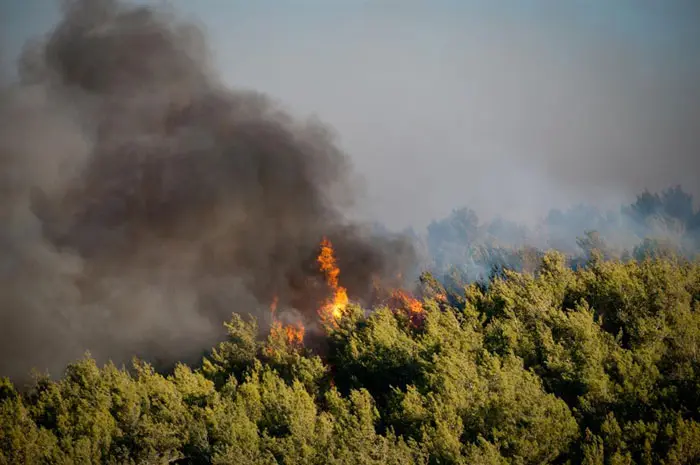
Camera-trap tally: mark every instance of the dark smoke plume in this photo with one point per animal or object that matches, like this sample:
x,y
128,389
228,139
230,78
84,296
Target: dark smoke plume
x,y
143,201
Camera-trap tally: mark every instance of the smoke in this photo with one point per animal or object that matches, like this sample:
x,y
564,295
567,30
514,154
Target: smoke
x,y
509,107
143,201
463,248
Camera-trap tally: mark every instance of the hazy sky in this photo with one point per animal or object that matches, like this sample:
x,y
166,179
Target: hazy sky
x,y
509,107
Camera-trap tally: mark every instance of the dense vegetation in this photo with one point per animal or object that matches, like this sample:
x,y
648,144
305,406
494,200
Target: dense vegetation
x,y
593,365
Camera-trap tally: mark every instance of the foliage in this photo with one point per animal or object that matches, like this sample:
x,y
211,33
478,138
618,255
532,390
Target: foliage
x,y
594,365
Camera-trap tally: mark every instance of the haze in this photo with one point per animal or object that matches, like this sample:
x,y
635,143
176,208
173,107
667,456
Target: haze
x,y
509,109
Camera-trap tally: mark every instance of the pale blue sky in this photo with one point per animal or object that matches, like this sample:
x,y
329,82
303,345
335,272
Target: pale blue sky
x,y
510,107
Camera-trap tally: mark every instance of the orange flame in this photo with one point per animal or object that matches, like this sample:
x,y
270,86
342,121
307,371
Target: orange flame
x,y
293,333
402,300
332,310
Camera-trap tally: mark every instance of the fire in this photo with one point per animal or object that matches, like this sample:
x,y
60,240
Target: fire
x,y
327,261
332,310
401,300
294,334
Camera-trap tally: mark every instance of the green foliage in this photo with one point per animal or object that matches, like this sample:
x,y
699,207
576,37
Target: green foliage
x,y
594,366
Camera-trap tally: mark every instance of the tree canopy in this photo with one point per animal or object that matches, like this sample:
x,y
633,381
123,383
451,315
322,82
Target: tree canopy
x,y
592,365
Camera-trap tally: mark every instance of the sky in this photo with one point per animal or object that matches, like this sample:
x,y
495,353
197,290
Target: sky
x,y
510,107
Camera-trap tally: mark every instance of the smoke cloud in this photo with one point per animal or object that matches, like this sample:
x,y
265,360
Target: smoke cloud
x,y
143,201
510,108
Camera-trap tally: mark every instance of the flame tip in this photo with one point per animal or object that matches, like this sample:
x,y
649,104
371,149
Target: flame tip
x,y
332,310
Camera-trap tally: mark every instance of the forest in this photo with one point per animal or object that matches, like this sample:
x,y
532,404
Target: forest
x,y
145,203
587,358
